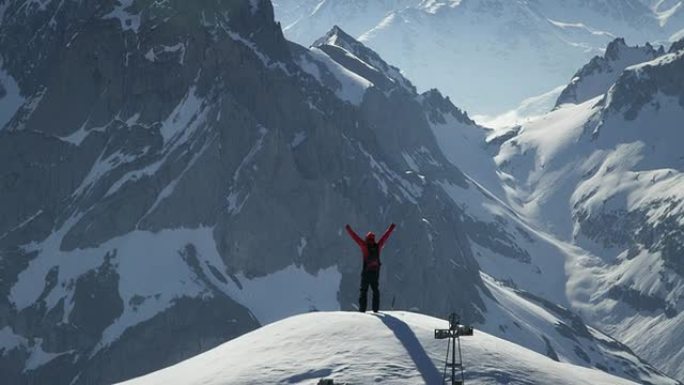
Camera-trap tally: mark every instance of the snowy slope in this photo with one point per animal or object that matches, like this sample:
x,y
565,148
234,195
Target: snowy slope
x,y
10,97
541,296
529,108
538,278
604,177
560,334
390,347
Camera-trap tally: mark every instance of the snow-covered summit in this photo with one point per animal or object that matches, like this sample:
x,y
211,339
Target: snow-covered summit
x,y
347,51
354,348
602,71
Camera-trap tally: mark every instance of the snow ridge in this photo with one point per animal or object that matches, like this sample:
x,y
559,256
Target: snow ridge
x,y
392,347
596,77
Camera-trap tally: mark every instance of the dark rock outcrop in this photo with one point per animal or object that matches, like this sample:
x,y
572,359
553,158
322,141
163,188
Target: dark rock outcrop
x,y
155,119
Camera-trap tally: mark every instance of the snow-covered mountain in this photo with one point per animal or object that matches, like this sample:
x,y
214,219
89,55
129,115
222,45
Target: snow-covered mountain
x,y
487,56
173,178
351,348
602,71
604,177
176,174
489,224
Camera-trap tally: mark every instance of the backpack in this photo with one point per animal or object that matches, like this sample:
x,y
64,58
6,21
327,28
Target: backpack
x,y
373,260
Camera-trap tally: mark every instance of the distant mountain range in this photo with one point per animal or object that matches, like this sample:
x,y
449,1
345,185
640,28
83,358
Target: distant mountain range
x,y
487,56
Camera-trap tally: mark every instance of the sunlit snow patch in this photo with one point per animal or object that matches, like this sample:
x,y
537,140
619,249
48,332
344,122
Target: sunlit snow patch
x,y
10,97
352,86
129,22
286,292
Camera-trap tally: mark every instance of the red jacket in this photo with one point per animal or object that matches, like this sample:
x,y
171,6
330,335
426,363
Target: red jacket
x,y
374,265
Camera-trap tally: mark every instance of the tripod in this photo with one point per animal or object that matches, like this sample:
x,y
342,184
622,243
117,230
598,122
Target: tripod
x,y
451,346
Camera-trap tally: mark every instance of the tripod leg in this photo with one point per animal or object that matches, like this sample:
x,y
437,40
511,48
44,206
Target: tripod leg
x,y
453,361
460,359
446,360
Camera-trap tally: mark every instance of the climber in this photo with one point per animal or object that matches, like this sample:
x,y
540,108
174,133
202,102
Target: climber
x,y
371,264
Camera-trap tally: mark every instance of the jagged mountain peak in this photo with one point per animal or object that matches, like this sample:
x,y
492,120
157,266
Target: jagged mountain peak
x,y
354,55
677,46
433,100
596,77
639,84
336,36
617,48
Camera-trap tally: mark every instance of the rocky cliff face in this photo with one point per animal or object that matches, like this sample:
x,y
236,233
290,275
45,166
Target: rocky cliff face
x,y
152,187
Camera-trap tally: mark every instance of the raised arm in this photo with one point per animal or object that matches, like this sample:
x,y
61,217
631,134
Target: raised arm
x,y
354,236
388,232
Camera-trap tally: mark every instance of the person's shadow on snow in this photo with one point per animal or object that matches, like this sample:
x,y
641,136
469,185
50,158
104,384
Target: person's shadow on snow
x,y
408,339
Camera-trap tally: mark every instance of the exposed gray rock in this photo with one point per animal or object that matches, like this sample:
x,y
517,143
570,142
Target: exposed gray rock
x,y
436,106
190,115
677,46
596,77
493,236
638,85
641,301
549,349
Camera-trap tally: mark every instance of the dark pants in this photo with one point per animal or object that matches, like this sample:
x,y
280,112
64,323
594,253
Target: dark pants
x,y
369,278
